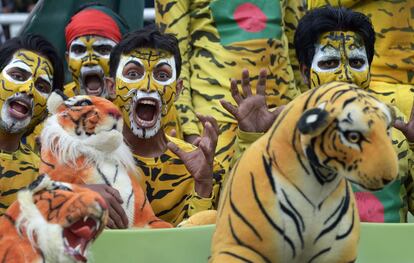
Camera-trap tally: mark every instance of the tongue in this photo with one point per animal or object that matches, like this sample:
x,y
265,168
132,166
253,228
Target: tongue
x,y
146,112
85,232
19,107
93,83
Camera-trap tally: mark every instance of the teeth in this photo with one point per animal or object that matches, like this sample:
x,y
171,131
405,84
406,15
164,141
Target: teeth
x,y
85,218
78,249
148,102
65,241
98,224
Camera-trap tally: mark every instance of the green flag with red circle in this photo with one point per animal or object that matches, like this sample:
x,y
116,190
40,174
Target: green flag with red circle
x,y
241,20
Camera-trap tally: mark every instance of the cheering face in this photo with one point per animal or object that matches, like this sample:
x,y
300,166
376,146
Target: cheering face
x,y
340,56
88,59
27,81
146,82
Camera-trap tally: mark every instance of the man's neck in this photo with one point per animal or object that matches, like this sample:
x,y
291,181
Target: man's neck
x,y
151,147
9,142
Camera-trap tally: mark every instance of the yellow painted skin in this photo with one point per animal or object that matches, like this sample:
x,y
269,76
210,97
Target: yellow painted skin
x,y
393,62
149,58
91,57
170,187
208,65
19,169
39,68
345,46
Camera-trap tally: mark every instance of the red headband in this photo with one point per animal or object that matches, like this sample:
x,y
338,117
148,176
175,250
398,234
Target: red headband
x,y
91,22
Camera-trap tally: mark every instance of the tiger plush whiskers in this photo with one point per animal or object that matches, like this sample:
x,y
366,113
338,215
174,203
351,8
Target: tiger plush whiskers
x,y
69,148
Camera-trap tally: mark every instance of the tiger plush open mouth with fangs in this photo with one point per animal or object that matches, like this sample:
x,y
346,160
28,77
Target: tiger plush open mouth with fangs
x,y
78,236
51,222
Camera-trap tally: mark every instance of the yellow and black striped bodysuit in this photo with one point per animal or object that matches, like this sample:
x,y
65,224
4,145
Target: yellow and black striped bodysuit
x,y
18,170
170,187
217,40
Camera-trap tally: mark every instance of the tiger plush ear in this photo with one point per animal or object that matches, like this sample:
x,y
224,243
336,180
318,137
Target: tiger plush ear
x,y
55,100
314,121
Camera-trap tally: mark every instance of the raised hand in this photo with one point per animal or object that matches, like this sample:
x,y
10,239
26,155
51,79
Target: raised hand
x,y
406,128
200,161
252,113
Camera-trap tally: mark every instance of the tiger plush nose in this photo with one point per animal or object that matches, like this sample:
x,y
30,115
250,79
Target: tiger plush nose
x,y
114,114
386,181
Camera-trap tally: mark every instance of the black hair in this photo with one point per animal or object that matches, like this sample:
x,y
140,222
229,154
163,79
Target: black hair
x,y
148,37
39,45
326,19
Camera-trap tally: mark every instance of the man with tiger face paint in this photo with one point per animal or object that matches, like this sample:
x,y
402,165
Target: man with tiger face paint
x,y
30,70
335,44
90,36
179,179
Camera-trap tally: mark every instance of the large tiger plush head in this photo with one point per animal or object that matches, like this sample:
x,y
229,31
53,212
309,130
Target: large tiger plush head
x,y
86,126
341,130
52,222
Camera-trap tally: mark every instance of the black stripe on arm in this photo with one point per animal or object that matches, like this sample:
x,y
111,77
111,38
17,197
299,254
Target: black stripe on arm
x,y
269,219
103,176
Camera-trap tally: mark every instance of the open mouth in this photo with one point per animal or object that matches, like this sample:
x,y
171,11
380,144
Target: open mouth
x,y
20,108
78,236
146,112
92,81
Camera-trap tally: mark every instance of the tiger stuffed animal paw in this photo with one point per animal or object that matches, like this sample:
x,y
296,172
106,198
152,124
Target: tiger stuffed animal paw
x,y
82,143
51,222
289,198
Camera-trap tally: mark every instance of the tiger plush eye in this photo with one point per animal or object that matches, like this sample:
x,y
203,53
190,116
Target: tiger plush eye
x,y
353,137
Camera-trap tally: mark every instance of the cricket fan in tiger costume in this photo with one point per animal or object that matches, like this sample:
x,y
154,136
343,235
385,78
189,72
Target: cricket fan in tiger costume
x,y
178,178
335,44
217,39
30,69
51,222
296,204
82,143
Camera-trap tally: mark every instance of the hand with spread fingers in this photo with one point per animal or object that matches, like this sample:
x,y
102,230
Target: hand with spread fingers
x,y
406,128
252,113
200,161
117,216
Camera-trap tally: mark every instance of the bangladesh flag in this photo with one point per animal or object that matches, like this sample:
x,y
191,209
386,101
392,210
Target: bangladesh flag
x,y
241,20
381,206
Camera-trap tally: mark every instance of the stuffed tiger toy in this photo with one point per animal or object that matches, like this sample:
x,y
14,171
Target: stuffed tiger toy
x,y
82,143
51,222
297,205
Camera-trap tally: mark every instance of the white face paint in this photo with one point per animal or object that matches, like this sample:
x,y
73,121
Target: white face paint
x,y
340,56
171,63
125,61
98,41
19,64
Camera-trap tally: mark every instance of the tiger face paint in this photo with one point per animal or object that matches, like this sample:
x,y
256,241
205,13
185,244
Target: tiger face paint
x,y
26,82
340,56
88,60
146,82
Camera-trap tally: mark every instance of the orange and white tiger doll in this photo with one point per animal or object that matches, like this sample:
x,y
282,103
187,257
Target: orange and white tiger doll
x,y
51,222
82,143
289,198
